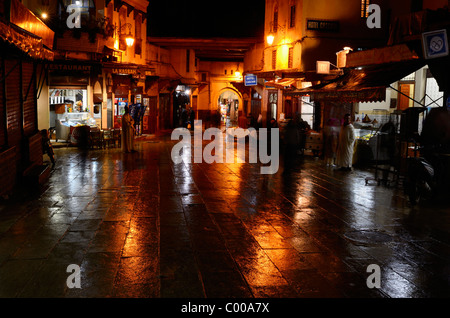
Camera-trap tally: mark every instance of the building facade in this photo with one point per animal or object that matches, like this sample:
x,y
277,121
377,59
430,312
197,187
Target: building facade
x,y
25,46
298,35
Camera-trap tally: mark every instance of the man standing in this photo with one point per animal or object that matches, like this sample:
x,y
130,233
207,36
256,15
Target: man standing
x,y
128,132
344,156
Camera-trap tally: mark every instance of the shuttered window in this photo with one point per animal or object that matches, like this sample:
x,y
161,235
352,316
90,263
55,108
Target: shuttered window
x,y
29,106
2,108
274,59
13,109
291,58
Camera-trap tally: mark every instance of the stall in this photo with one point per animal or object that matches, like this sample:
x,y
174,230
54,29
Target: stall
x,y
68,108
71,102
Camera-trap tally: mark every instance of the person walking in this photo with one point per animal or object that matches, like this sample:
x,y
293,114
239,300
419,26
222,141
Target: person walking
x,y
47,147
128,131
331,133
192,117
344,155
184,117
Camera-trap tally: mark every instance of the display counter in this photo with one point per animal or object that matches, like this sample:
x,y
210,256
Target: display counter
x,y
68,120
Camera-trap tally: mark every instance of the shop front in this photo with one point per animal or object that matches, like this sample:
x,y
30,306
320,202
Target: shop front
x,y
71,99
126,87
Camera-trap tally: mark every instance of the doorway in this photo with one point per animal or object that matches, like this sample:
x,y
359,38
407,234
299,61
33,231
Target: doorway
x,y
405,98
272,107
228,104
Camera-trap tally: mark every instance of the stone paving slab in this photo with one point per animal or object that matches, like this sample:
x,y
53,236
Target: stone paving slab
x,y
140,226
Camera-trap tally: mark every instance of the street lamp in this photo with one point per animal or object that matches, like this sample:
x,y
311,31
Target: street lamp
x,y
129,39
271,36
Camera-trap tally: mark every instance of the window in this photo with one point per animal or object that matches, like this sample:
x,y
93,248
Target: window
x,y
364,6
291,58
188,59
292,17
275,20
122,28
274,59
138,35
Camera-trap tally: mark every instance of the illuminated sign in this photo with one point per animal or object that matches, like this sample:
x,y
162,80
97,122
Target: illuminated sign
x,y
322,25
250,80
69,67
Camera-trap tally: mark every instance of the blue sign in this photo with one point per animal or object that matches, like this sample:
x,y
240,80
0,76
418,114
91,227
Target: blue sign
x,y
250,80
435,44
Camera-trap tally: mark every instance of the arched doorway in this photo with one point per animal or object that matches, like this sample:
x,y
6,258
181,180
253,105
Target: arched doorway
x,y
229,103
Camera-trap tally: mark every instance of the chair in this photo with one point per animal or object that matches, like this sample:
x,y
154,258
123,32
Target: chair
x,y
117,137
108,138
95,138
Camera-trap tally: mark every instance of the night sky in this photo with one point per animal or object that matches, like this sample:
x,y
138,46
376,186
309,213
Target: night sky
x,y
203,18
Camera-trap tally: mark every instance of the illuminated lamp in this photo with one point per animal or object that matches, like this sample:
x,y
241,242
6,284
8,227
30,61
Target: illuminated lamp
x,y
129,39
270,39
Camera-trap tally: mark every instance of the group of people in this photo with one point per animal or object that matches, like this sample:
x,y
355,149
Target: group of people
x,y
338,148
186,117
339,140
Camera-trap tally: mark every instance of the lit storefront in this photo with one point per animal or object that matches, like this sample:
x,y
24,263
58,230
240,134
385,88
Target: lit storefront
x,y
126,86
71,97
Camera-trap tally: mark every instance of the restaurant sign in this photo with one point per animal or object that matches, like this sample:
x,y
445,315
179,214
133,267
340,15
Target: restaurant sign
x,y
135,72
322,25
124,71
375,94
69,67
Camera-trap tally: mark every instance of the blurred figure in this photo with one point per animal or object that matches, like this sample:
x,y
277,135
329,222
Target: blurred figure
x,y
242,121
346,143
331,133
47,147
192,117
128,132
259,122
184,117
273,123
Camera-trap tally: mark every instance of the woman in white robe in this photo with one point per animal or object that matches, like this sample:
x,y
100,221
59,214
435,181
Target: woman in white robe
x,y
344,156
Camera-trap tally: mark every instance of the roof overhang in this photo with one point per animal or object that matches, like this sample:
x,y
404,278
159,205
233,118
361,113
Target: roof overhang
x,y
367,84
209,48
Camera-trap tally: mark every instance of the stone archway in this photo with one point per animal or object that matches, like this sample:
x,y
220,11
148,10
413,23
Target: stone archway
x,y
229,101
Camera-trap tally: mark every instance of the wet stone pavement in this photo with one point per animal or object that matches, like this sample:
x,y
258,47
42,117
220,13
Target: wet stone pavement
x,y
140,226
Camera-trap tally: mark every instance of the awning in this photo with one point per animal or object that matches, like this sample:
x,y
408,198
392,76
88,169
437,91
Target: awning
x,y
361,85
30,44
388,54
284,83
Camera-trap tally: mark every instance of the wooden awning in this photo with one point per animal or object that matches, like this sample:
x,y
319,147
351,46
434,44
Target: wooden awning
x,y
361,85
24,41
285,83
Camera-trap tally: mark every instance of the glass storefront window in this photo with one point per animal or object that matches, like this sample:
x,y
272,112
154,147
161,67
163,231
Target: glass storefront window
x,y
75,100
